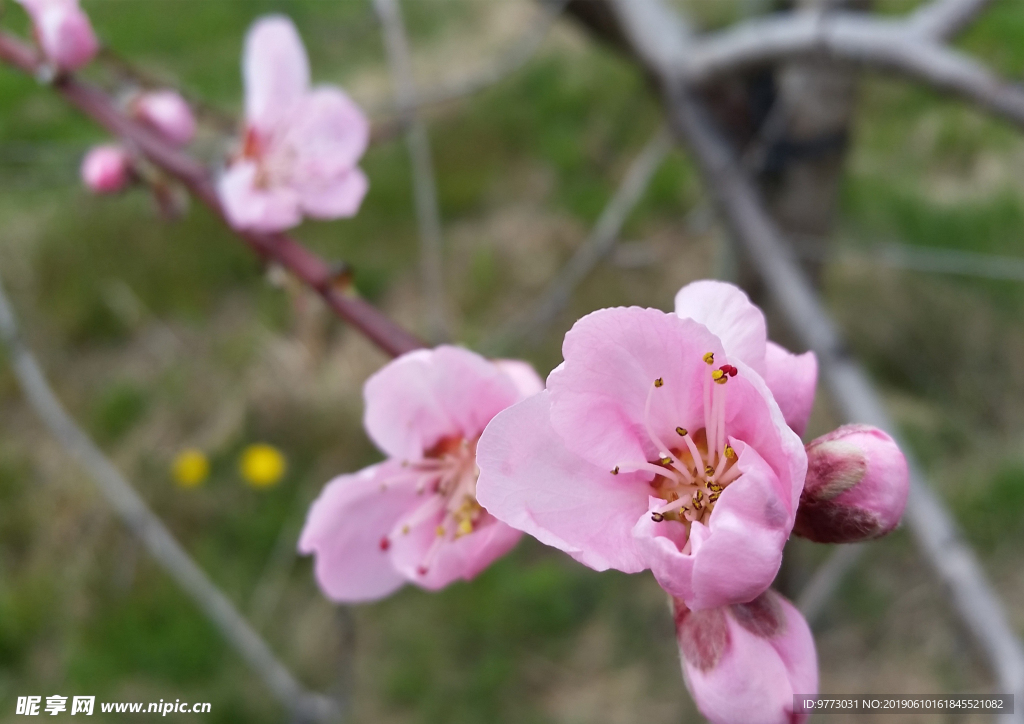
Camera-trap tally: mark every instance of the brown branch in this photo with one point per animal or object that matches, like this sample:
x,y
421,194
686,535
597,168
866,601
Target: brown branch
x,y
311,269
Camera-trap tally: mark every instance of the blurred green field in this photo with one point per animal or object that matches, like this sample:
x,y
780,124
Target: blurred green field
x,y
159,336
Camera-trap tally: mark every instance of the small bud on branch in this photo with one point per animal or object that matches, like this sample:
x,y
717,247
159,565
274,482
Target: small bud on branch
x,y
856,487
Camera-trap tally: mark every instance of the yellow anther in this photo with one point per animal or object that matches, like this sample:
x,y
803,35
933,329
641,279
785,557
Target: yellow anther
x,y
615,470
666,460
729,452
440,530
708,470
681,431
714,487
719,377
657,517
714,497
659,382
710,358
465,527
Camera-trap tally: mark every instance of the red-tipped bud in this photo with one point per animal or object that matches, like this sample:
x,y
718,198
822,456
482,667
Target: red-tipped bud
x,y
106,169
856,487
168,114
744,663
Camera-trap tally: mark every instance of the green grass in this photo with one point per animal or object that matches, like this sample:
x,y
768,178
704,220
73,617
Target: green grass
x,y
993,514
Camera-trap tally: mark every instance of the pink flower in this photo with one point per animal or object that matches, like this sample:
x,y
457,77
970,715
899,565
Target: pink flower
x,y
106,169
856,488
744,663
63,32
301,145
727,311
657,445
415,516
168,114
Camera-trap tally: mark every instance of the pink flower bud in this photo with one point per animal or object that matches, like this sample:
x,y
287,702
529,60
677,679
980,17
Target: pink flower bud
x,y
63,31
744,663
856,486
106,169
168,114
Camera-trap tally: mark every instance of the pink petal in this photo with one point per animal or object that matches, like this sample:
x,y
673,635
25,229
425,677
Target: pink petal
x,y
168,113
346,529
753,417
529,480
337,198
428,395
275,69
659,545
795,646
792,379
64,32
727,311
327,132
612,358
748,686
737,555
523,376
247,206
454,559
749,527
757,667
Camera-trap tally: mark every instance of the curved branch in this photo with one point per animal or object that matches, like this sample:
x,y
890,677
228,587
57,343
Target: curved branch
x,y
854,38
280,248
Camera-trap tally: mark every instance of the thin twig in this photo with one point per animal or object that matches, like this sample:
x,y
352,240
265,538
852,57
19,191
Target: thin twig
x,y
279,248
935,530
826,579
428,212
509,62
596,247
145,525
923,259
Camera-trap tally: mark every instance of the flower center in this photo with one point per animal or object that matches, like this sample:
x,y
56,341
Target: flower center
x,y
446,478
693,469
272,158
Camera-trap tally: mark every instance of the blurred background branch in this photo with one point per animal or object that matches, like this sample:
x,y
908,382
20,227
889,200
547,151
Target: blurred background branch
x,y
594,249
428,212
